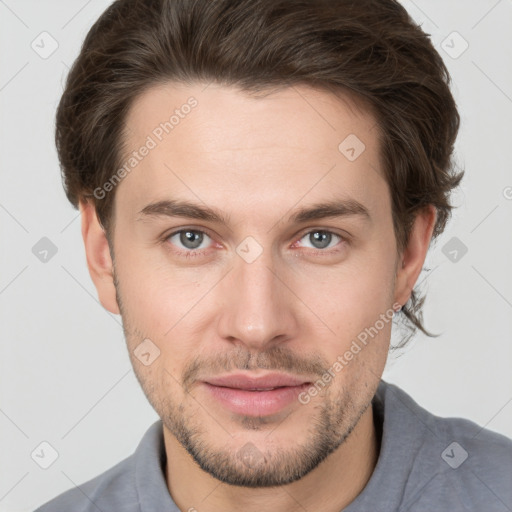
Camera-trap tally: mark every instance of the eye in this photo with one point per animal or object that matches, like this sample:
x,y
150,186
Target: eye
x,y
322,239
189,239
194,242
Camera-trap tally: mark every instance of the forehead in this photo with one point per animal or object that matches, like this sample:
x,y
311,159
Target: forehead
x,y
312,117
223,146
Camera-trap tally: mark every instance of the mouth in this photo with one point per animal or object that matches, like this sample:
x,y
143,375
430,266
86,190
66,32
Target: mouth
x,y
255,396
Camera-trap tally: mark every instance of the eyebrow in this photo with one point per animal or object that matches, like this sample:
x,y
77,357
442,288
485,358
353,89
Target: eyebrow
x,y
330,209
175,208
339,208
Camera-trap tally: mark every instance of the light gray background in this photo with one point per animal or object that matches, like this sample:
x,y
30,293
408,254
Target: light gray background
x,y
65,373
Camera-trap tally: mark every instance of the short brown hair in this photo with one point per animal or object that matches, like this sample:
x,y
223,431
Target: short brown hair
x,y
371,48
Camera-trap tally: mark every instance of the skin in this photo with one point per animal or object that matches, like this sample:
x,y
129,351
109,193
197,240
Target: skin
x,y
294,309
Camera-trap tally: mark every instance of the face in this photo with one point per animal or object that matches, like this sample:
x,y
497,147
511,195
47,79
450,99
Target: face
x,y
228,263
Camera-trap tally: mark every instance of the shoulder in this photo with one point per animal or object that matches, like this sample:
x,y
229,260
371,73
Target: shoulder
x,y
473,466
483,456
455,460
476,439
111,490
487,448
464,440
137,482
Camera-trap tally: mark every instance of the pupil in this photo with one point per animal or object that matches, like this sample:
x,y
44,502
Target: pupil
x,y
321,239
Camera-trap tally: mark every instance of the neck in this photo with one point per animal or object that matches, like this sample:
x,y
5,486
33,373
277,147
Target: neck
x,y
334,484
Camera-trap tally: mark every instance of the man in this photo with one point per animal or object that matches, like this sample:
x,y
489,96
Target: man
x,y
259,183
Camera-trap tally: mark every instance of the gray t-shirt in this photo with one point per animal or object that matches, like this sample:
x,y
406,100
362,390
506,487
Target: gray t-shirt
x,y
426,463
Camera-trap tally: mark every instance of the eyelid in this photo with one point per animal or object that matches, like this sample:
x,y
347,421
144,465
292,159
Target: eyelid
x,y
205,231
167,236
343,238
333,231
175,231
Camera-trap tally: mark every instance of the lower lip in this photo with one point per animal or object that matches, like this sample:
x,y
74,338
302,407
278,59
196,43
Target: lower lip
x,y
256,403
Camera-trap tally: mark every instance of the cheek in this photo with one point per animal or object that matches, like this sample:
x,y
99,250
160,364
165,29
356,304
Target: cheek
x,y
160,298
154,294
164,308
353,295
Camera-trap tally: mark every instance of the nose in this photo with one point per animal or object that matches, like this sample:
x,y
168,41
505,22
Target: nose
x,y
257,308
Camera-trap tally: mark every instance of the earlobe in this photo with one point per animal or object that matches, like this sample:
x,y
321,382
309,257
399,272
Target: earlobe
x,y
99,260
413,256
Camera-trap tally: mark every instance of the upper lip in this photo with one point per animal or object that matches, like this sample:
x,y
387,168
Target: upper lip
x,y
244,381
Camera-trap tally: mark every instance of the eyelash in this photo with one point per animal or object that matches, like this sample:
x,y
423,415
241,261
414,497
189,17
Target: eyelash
x,y
192,253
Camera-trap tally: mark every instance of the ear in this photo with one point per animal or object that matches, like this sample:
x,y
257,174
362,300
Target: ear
x,y
410,261
98,256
